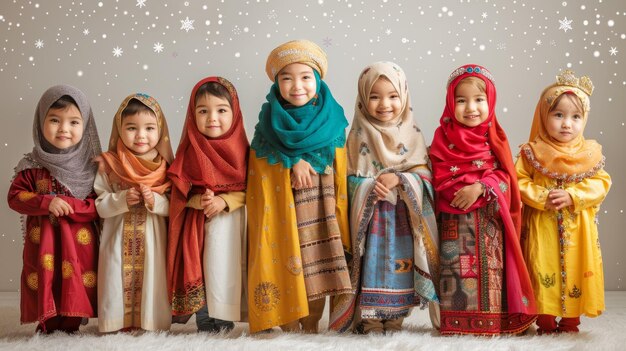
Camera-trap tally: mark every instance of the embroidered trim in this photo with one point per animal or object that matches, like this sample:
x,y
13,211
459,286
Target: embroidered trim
x,y
568,178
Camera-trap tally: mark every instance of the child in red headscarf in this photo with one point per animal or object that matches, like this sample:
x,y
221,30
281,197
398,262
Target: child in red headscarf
x,y
484,285
206,246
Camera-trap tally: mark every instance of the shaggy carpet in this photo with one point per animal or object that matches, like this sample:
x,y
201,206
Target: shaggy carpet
x,y
607,332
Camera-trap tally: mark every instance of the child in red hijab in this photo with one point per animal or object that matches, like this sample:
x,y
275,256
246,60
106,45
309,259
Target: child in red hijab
x,y
206,247
484,284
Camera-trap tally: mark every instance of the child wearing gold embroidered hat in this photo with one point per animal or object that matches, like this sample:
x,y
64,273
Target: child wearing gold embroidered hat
x,y
562,182
296,195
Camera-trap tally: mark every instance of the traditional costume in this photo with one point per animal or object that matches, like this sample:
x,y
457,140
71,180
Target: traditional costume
x,y
395,257
297,237
484,284
132,289
206,259
58,283
561,248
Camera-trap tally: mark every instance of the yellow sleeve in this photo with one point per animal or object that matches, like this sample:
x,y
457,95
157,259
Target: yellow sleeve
x,y
234,200
533,195
341,196
591,191
194,202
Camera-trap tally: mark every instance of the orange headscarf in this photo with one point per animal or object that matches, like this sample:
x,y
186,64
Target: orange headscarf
x,y
572,161
129,168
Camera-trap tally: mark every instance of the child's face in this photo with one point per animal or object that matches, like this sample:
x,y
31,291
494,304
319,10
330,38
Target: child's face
x,y
214,116
140,132
63,128
470,105
297,84
565,121
384,101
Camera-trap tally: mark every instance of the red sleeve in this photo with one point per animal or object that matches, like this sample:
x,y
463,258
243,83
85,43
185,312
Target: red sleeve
x,y
84,210
23,196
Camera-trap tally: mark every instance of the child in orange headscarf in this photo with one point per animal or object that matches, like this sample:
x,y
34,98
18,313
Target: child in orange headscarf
x,y
562,182
132,188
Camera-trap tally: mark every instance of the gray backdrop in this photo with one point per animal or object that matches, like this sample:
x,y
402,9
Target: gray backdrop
x,y
110,49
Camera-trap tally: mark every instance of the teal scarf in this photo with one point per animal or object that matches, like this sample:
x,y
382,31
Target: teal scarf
x,y
311,132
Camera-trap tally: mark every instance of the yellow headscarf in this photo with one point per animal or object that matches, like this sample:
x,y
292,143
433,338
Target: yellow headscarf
x,y
571,161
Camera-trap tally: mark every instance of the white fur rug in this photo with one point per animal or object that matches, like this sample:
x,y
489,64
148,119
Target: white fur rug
x,y
607,332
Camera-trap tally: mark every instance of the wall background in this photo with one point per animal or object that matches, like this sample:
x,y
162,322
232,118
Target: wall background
x,y
110,49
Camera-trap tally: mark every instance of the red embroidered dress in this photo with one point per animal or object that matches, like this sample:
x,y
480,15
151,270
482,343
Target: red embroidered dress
x,y
60,254
484,284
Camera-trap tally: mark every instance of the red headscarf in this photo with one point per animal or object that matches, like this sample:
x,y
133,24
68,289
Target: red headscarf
x,y
462,155
201,162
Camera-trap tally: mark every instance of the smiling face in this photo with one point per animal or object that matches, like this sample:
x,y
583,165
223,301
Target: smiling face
x,y
470,104
565,120
140,132
214,115
384,102
63,128
297,84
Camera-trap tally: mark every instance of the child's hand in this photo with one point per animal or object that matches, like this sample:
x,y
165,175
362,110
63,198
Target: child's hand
x,y
206,198
132,197
216,205
301,174
558,199
466,196
384,184
59,207
147,194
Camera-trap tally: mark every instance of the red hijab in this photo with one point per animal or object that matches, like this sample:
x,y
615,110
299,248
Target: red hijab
x,y
462,155
219,164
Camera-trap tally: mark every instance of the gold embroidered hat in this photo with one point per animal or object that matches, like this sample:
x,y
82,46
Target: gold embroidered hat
x,y
296,51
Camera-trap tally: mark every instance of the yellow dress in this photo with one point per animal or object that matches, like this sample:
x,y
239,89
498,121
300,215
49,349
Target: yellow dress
x,y
576,287
276,289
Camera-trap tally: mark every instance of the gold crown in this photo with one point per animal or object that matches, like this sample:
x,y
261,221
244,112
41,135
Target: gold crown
x,y
568,78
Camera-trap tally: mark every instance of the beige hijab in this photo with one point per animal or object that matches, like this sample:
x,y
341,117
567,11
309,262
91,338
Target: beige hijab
x,y
570,161
374,146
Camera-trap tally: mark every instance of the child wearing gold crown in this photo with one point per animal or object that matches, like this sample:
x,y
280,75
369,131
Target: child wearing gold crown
x,y
562,183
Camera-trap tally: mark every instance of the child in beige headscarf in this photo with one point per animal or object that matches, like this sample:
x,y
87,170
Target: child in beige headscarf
x,y
392,222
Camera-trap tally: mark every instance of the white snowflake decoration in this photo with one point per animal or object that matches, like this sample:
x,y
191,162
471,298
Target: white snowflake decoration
x,y
565,24
117,51
613,51
187,24
39,44
158,47
86,31
141,3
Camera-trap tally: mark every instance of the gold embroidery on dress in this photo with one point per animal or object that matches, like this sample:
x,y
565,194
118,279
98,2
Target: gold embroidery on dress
x,y
67,270
89,279
546,280
25,195
266,296
32,281
575,292
47,262
83,236
35,234
133,259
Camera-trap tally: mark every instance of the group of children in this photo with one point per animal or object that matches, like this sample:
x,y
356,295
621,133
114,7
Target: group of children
x,y
265,231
